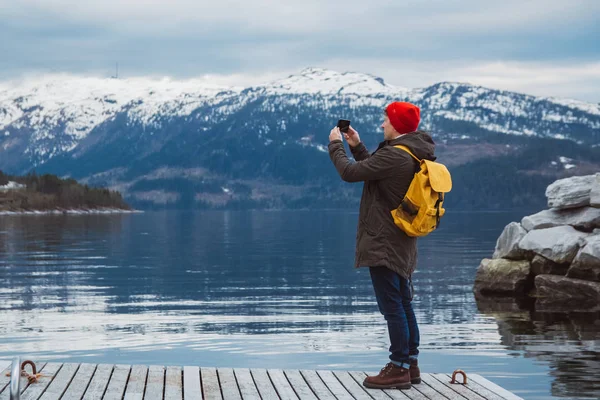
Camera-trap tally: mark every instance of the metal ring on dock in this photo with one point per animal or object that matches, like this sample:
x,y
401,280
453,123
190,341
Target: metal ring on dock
x,y
459,371
30,377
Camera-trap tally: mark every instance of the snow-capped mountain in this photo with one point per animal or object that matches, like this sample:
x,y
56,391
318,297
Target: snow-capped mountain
x,y
116,131
51,115
59,111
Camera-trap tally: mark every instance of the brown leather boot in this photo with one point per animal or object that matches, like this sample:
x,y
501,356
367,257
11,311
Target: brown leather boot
x,y
391,376
415,372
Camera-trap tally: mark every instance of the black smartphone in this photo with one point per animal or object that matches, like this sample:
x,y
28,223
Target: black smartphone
x,y
343,124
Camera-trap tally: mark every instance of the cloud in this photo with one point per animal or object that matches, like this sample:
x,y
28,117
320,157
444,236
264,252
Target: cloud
x,y
397,19
571,79
482,42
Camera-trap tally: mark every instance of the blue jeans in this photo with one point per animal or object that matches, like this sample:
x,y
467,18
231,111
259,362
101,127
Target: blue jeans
x,y
394,296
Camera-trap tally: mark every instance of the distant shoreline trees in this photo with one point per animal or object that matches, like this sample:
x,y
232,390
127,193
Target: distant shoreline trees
x,y
49,192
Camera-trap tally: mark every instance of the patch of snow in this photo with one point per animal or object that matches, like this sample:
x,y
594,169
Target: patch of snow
x,y
590,108
306,141
12,185
328,82
564,160
553,117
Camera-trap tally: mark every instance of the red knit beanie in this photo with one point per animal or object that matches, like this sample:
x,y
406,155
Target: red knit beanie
x,y
403,116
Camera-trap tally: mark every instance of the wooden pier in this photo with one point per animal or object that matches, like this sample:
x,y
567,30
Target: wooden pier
x,y
137,382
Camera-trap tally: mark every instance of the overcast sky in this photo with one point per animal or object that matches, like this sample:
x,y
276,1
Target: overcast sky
x,y
540,47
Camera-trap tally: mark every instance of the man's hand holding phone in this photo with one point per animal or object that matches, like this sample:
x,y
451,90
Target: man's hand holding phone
x,y
343,128
352,137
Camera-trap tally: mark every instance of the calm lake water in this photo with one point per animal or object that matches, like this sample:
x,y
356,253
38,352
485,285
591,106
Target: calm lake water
x,y
270,290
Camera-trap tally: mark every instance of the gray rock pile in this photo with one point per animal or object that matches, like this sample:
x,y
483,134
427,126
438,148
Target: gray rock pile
x,y
554,254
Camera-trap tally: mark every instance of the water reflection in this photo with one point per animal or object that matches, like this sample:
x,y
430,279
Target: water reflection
x,y
266,289
568,342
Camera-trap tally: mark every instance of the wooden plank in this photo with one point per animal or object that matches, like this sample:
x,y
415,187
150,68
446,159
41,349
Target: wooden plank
x,y
80,382
61,381
191,383
99,382
136,383
246,384
283,387
174,383
449,393
477,388
359,377
4,364
210,384
493,387
303,391
412,394
263,384
460,389
357,391
155,383
334,385
428,391
229,386
34,391
117,383
5,380
317,385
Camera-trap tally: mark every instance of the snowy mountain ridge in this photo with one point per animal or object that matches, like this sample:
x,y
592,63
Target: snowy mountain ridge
x,y
50,115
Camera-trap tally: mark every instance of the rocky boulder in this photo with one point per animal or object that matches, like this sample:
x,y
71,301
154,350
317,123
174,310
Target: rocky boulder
x,y
584,218
501,276
570,192
595,192
543,266
586,264
507,245
562,288
559,244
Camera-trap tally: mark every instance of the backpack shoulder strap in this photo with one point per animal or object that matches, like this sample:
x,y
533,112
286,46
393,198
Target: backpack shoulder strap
x,y
399,146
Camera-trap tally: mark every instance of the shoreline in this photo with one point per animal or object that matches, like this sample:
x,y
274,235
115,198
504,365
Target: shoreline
x,y
79,211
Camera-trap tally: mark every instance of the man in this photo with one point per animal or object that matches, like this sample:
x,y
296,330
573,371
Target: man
x,y
390,254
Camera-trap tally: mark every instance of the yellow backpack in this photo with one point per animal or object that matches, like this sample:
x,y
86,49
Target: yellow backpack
x,y
421,209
